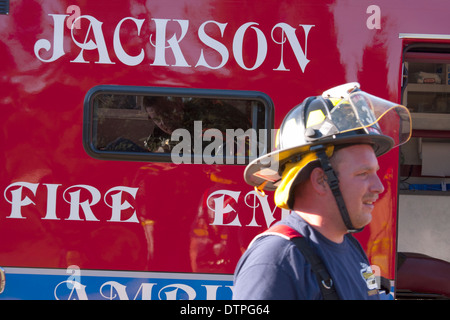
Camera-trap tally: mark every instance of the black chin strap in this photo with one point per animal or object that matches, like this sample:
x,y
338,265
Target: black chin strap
x,y
333,182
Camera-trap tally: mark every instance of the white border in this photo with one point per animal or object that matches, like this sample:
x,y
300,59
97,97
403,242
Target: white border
x,y
121,274
424,36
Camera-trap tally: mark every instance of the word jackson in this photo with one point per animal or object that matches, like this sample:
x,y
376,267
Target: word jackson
x,y
87,33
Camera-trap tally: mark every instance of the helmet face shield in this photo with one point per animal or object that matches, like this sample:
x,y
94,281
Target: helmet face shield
x,y
343,115
361,110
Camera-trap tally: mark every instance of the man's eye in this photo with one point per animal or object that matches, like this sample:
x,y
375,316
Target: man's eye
x,y
362,174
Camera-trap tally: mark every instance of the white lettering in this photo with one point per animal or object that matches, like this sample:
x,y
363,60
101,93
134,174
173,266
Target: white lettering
x,y
160,43
238,42
300,55
118,206
268,214
16,198
112,290
58,36
85,197
161,40
220,210
99,44
75,202
267,211
211,291
114,287
51,201
214,44
75,287
187,292
74,198
146,289
118,49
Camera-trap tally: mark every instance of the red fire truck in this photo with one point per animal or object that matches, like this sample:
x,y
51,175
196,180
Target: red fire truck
x,y
127,125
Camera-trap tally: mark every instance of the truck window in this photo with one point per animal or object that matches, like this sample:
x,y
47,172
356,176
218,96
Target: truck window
x,y
4,7
176,125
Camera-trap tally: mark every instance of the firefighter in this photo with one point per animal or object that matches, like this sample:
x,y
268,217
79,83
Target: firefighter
x,y
324,169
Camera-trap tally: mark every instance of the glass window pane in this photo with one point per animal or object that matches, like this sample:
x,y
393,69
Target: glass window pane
x,y
428,79
153,126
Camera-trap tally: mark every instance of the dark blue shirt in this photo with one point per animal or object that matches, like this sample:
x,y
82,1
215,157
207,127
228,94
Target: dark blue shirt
x,y
273,268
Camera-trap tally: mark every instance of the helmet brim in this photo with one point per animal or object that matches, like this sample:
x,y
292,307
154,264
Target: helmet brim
x,y
264,172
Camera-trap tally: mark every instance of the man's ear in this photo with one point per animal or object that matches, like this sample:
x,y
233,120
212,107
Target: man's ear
x,y
319,181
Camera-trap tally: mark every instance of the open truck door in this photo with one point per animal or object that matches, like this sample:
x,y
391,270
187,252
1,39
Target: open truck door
x,y
423,239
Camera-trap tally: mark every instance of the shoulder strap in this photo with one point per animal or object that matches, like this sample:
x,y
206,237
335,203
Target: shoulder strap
x,y
322,275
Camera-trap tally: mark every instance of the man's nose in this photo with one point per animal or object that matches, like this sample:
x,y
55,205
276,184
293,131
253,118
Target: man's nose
x,y
377,185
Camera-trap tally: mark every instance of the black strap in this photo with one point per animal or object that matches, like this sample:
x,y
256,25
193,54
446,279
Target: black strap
x,y
333,182
323,277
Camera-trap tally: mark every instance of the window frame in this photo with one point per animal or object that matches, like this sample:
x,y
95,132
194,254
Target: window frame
x,y
89,123
4,7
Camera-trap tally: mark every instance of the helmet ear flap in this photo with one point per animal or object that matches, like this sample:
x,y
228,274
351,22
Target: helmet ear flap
x,y
302,176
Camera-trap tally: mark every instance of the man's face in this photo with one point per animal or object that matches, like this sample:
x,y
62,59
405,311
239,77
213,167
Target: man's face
x,y
356,167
